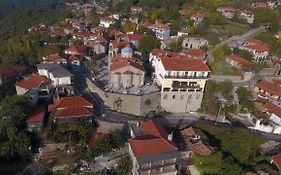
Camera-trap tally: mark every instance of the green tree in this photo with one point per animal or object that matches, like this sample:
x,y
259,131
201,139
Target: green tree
x,y
148,43
218,54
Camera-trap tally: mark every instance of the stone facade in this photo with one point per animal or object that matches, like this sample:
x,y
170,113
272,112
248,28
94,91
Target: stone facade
x,y
185,101
130,104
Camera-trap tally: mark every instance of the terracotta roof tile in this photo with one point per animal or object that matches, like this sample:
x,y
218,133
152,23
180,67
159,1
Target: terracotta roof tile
x,y
150,146
33,82
153,128
277,160
37,115
273,109
269,87
184,64
74,112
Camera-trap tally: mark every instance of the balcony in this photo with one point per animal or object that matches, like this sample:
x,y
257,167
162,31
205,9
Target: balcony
x,y
186,77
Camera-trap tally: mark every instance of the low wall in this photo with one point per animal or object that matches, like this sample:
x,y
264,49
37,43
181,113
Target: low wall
x,y
130,104
222,78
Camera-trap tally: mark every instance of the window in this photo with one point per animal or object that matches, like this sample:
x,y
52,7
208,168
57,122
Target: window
x,y
182,97
165,96
174,97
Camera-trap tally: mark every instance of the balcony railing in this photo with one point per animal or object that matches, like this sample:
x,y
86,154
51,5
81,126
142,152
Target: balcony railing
x,y
186,77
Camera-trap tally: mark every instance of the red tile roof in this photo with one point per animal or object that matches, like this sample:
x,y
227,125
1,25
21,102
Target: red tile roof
x,y
95,137
273,109
269,87
135,36
119,44
254,41
257,47
33,82
243,62
277,160
184,30
37,115
119,62
55,57
196,52
77,49
75,57
154,140
151,127
74,112
151,145
184,64
12,70
70,102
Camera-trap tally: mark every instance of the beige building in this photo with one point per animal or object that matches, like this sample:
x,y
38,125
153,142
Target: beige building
x,y
126,71
182,81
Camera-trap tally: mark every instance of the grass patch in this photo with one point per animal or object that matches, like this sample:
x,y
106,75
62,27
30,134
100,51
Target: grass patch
x,y
223,68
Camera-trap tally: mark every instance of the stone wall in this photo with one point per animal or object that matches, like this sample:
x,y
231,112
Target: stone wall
x,y
130,104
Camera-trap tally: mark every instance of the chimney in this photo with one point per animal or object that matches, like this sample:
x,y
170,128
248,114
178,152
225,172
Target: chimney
x,y
170,136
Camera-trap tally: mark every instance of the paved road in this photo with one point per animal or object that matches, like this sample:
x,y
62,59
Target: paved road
x,y
109,160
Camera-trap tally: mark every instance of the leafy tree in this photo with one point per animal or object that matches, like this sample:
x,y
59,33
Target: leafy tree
x,y
216,19
148,43
243,53
218,54
129,27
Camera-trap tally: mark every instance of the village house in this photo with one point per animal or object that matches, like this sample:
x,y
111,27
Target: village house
x,y
194,42
78,50
55,58
99,46
197,18
193,141
9,74
247,15
267,89
259,49
36,87
136,9
197,54
277,64
276,159
228,12
183,32
134,19
161,31
70,110
37,28
36,120
274,112
56,73
134,39
247,68
182,80
115,48
152,150
107,21
126,71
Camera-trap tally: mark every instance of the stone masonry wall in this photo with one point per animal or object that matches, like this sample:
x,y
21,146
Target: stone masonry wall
x,y
130,104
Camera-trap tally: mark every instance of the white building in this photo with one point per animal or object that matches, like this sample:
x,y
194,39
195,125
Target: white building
x,y
247,15
228,12
194,42
161,31
274,112
107,21
259,49
56,73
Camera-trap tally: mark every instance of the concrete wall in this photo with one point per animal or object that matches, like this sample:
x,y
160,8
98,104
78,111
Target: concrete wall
x,y
222,78
130,104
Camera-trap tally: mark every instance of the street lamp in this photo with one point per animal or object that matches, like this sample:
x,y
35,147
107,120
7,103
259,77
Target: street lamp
x,y
222,102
